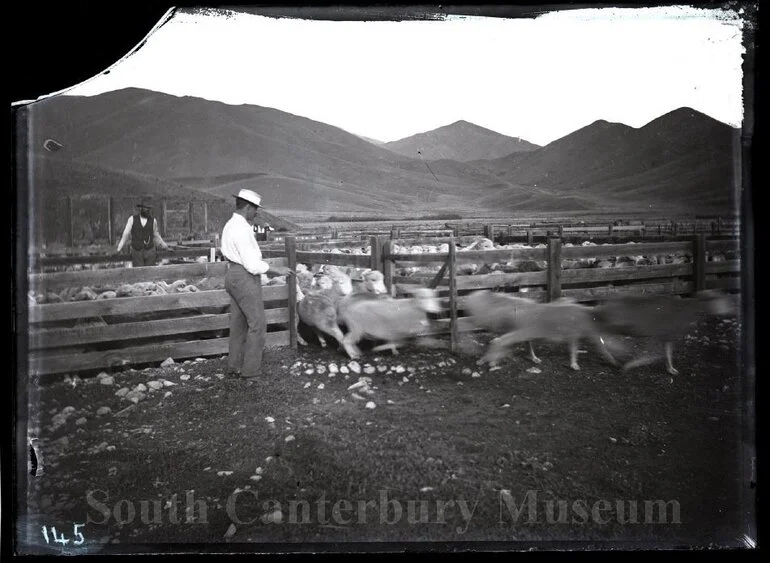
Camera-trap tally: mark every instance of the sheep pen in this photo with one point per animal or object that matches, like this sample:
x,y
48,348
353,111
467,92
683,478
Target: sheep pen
x,y
423,446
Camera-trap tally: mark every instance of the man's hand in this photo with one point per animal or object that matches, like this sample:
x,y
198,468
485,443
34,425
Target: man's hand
x,y
282,270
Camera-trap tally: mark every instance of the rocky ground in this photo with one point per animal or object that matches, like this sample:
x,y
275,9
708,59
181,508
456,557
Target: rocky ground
x,y
421,446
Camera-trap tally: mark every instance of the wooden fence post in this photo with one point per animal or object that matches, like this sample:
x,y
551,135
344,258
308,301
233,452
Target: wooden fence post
x,y
190,216
394,233
388,266
291,258
674,228
699,262
375,253
456,231
561,231
110,237
205,217
553,279
70,223
489,232
335,234
610,230
452,296
529,237
164,213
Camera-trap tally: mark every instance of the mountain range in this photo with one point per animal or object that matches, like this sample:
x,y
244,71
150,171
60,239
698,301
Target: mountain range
x,y
680,161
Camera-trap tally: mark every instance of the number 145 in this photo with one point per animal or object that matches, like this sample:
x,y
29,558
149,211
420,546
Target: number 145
x,y
61,538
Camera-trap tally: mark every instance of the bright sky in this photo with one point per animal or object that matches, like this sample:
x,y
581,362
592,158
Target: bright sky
x,y
538,79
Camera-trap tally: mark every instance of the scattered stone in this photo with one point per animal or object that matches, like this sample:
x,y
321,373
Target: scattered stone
x,y
533,369
154,385
344,369
167,394
467,371
370,405
296,365
475,374
167,383
141,388
269,419
256,477
382,369
207,468
167,362
307,385
107,380
230,531
505,406
400,369
320,386
124,412
81,421
122,391
357,397
333,368
316,401
309,371
258,471
321,369
289,438
358,384
200,359
111,448
426,489
354,367
135,397
101,411
495,368
102,375
369,369
613,440
224,473
405,379
184,376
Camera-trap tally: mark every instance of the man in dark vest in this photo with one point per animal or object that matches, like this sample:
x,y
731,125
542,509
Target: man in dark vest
x,y
145,236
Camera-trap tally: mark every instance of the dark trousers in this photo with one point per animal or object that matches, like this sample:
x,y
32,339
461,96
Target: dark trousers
x,y
146,257
247,321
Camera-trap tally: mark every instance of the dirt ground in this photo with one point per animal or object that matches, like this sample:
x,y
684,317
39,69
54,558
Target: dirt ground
x,y
431,448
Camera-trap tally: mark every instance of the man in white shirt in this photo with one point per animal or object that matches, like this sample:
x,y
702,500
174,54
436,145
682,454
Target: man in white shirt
x,y
244,285
145,236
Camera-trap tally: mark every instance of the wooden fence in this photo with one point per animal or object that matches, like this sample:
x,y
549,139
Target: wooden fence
x,y
138,330
149,329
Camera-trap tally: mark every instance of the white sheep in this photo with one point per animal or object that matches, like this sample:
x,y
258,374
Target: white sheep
x,y
388,319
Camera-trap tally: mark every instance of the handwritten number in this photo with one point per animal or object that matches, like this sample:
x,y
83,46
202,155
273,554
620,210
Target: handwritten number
x,y
62,540
77,533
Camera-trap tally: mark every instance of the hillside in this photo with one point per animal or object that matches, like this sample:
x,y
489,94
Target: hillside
x,y
135,141
294,162
460,141
683,158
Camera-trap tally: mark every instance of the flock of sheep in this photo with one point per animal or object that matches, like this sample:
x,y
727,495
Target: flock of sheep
x,y
328,302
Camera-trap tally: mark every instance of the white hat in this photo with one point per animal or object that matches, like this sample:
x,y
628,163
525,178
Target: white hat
x,y
250,196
